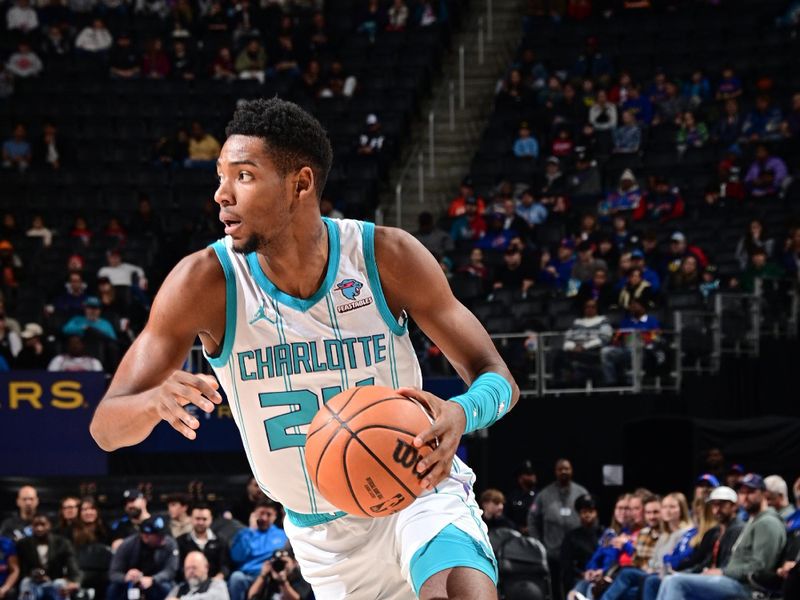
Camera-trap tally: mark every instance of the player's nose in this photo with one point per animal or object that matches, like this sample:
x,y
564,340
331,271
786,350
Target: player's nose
x,y
224,195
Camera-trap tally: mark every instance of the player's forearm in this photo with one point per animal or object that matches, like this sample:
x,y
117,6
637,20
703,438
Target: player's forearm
x,y
123,420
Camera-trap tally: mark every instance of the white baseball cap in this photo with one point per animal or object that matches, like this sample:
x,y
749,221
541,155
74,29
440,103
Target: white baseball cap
x,y
725,493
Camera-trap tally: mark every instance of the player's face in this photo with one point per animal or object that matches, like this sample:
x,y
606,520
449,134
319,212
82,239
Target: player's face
x,y
254,200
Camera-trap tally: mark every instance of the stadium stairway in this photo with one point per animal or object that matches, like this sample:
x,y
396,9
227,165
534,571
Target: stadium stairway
x,y
454,149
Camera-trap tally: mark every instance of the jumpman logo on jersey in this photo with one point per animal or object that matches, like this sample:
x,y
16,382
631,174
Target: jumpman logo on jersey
x,y
261,313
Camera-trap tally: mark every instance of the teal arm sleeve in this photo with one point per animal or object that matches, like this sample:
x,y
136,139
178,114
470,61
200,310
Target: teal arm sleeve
x,y
485,402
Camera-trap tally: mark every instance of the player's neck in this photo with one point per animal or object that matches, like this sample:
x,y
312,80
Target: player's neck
x,y
296,263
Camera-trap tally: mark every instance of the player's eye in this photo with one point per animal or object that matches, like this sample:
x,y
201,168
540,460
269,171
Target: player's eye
x,y
245,176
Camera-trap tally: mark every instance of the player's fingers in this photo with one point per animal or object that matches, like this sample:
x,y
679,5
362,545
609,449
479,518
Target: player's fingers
x,y
430,435
428,400
189,394
205,384
180,414
182,424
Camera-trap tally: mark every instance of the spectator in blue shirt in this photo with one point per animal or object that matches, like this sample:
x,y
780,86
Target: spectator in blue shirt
x,y
9,564
624,200
91,319
628,136
531,209
639,105
17,150
558,271
730,86
697,90
526,145
763,123
618,355
253,545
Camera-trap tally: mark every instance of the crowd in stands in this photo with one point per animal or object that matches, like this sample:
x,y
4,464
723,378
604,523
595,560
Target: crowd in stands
x,y
736,533
633,190
82,252
239,553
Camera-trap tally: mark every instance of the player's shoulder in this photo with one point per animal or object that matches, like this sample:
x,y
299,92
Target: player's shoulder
x,y
393,243
197,271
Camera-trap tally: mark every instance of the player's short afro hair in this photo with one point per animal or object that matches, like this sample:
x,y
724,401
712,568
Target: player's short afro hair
x,y
292,137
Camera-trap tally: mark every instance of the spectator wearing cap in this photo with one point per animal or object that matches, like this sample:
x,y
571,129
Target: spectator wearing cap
x,y
147,560
553,182
197,584
135,508
531,209
470,226
758,547
201,538
178,510
679,249
90,321
553,514
778,496
557,271
639,104
767,174
75,358
580,543
526,145
586,264
584,182
734,475
370,142
624,200
492,503
34,354
521,498
638,261
252,546
458,205
496,237
662,203
636,287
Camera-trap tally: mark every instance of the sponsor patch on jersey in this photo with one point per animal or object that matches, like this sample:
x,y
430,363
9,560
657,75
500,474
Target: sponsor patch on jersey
x,y
264,313
350,290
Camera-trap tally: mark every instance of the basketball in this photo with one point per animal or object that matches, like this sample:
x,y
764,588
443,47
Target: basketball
x,y
360,450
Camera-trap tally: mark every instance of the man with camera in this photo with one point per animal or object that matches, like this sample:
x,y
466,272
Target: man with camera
x,y
144,564
253,545
47,564
196,584
280,579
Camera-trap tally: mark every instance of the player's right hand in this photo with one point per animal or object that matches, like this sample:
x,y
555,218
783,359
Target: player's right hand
x,y
179,390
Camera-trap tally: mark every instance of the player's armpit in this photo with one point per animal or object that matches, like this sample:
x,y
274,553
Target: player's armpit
x,y
148,385
413,281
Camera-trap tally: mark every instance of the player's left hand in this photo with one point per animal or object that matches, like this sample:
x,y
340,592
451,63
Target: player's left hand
x,y
449,422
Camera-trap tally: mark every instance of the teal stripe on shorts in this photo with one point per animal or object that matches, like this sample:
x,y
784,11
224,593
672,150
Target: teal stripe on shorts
x,y
450,548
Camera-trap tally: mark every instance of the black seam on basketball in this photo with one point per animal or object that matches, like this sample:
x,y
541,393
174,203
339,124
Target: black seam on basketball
x,y
377,460
324,450
317,430
347,476
346,402
419,475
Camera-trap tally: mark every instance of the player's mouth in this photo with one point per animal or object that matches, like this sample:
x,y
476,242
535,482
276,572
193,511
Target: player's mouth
x,y
231,225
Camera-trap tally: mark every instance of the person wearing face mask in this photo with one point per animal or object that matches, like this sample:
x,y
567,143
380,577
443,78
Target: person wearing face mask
x,y
145,564
135,513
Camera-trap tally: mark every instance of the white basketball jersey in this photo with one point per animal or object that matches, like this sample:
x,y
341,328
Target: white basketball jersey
x,y
282,356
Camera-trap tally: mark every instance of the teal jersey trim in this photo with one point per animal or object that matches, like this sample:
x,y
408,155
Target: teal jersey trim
x,y
221,359
450,548
301,304
310,520
368,243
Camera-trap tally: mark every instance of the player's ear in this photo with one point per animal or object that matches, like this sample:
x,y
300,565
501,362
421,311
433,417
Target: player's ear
x,y
304,182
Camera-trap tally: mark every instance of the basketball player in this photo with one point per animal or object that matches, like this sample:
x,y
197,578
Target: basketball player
x,y
291,309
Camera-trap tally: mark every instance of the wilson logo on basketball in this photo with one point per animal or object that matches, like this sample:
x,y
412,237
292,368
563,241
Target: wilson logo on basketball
x,y
388,504
406,455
